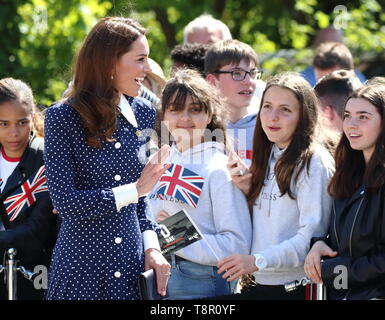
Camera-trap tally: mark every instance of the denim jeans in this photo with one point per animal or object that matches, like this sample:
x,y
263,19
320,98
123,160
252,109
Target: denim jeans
x,y
190,280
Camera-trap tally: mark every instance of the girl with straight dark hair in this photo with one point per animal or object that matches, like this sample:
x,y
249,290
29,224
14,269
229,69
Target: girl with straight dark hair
x,y
353,252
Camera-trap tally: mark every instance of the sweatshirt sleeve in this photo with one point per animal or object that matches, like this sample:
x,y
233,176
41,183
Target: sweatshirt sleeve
x,y
231,219
314,206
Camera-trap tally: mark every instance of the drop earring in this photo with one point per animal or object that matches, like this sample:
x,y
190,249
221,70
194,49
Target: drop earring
x,y
112,77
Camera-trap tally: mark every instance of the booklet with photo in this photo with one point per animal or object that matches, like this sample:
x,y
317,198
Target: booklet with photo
x,y
177,232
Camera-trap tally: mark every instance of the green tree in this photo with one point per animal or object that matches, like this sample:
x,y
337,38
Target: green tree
x,y
281,32
10,38
44,34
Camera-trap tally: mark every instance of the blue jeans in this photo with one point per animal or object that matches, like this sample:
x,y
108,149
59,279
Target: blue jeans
x,y
190,280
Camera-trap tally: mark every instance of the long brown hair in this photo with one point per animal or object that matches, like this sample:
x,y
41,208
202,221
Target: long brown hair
x,y
93,95
351,171
299,152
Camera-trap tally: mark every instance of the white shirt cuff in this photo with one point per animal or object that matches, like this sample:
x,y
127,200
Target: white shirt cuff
x,y
260,261
124,195
150,240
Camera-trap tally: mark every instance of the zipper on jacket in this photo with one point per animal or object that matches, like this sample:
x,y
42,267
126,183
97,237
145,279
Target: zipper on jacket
x,y
354,222
351,236
335,227
346,295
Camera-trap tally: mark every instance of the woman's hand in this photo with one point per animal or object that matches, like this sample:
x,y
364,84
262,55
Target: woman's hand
x,y
239,173
154,260
153,170
161,216
313,260
236,265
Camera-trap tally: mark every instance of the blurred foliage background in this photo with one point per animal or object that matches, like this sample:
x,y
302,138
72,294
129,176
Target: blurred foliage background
x,y
40,37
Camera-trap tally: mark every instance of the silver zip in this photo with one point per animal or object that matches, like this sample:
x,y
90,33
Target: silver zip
x,y
354,221
335,232
335,227
351,233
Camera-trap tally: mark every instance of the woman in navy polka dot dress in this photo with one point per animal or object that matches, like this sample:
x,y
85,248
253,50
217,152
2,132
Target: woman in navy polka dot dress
x,y
95,177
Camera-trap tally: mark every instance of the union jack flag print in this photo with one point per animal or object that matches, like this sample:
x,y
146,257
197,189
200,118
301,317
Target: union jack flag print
x,y
182,184
26,194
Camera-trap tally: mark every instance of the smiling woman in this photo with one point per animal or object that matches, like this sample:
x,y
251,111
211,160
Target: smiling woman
x,y
94,174
362,125
132,67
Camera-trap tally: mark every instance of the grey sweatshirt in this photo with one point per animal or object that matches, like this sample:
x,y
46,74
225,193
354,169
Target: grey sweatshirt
x,y
283,227
221,214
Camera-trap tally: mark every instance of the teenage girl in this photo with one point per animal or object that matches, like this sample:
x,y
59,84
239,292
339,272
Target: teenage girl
x,y
354,250
285,188
192,112
27,223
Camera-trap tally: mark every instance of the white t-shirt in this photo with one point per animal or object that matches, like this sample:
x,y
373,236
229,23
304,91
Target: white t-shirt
x,y
7,165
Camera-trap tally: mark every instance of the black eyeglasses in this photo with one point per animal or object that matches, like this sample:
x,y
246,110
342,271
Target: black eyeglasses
x,y
240,74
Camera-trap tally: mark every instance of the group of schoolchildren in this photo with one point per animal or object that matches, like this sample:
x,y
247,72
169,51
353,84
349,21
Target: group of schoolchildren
x,y
282,188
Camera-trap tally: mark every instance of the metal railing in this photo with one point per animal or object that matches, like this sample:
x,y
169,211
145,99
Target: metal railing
x,y
11,269
320,291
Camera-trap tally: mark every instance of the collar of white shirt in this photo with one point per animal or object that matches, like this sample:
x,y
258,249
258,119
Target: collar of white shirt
x,y
126,111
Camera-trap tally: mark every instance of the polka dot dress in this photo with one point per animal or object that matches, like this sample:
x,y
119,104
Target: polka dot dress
x,y
99,251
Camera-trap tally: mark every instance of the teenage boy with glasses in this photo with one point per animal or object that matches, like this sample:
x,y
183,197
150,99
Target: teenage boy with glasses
x,y
233,67
240,75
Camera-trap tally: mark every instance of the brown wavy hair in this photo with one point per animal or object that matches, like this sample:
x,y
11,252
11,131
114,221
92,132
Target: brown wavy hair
x,y
92,94
299,152
351,170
